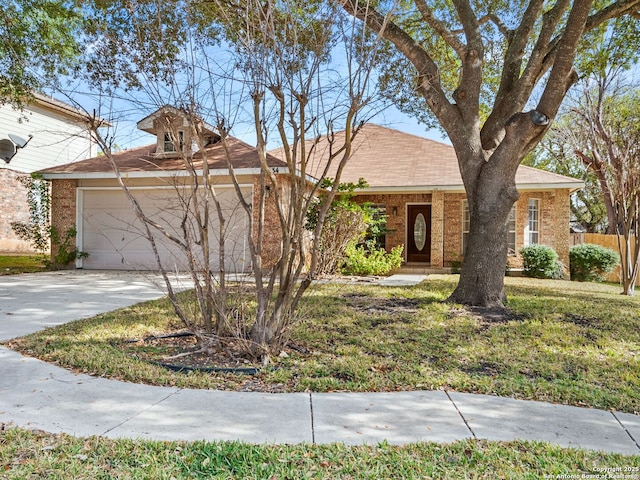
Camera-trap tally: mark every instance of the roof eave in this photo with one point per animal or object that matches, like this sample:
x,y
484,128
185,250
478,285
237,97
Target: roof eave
x,y
68,110
572,186
146,174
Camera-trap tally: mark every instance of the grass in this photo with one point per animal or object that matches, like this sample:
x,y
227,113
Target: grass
x,y
25,454
13,264
567,342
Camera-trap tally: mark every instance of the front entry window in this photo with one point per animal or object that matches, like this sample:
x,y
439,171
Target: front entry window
x,y
420,232
533,233
418,237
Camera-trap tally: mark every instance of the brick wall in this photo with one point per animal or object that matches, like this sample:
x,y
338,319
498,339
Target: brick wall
x,y
13,208
554,224
446,228
272,234
554,220
562,234
396,213
63,200
453,227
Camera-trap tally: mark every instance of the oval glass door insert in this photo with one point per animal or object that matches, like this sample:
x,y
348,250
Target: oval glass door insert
x,y
420,232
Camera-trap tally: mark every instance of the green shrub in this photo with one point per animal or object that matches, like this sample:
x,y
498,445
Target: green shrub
x,y
347,223
359,261
588,262
541,261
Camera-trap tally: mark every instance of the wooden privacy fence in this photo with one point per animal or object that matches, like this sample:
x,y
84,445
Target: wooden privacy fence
x,y
609,241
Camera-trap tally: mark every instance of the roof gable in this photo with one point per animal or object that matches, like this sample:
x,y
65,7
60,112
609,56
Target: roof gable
x,y
163,116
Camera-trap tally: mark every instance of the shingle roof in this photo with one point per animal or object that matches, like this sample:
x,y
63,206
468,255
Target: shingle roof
x,y
391,159
384,157
143,160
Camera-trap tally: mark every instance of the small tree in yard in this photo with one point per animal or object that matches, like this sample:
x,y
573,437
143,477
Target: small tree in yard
x,y
602,129
599,130
279,72
493,75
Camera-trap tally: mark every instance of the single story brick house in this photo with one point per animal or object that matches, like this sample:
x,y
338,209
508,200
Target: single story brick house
x,y
86,196
416,182
413,180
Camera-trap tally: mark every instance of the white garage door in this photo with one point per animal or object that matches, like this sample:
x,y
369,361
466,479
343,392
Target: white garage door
x,y
110,232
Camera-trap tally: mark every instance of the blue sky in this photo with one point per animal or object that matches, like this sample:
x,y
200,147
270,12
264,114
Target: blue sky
x,y
127,135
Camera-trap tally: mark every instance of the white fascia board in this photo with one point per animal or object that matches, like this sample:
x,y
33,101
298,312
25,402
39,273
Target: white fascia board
x,y
156,174
572,186
159,174
412,189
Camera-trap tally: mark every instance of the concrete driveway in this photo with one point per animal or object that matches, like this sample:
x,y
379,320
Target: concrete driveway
x,y
34,301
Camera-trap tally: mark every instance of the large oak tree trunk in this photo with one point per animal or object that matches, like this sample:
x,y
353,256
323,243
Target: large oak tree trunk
x,y
482,275
491,193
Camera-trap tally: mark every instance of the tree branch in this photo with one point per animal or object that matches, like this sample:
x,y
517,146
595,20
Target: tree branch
x,y
448,36
616,9
490,17
509,98
562,75
429,85
467,95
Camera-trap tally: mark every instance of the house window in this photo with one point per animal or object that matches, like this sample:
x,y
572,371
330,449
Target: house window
x,y
466,223
376,236
511,232
170,145
511,228
533,235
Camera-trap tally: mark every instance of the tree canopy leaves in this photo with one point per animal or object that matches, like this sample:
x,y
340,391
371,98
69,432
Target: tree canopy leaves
x,y
39,43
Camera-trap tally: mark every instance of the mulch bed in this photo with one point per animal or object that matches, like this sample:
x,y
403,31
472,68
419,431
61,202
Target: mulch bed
x,y
180,351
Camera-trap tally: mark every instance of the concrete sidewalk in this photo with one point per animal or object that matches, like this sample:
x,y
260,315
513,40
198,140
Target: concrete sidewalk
x,y
35,394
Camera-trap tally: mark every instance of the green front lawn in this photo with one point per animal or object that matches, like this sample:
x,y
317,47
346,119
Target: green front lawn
x,y
26,454
12,264
565,342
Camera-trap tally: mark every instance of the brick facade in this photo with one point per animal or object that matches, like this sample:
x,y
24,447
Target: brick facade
x,y
453,228
63,211
14,207
446,222
272,233
396,209
554,221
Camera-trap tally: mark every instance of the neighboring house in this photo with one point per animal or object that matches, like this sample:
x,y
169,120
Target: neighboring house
x,y
58,136
414,181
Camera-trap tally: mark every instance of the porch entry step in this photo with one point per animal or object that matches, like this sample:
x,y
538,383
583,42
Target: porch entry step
x,y
421,268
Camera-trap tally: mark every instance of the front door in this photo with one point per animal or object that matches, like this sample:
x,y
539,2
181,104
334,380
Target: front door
x,y
418,233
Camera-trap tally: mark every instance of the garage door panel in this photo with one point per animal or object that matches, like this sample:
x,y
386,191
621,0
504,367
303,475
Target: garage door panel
x,y
115,238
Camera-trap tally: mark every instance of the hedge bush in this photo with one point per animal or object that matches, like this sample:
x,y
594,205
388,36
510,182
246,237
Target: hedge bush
x,y
359,261
588,262
541,261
